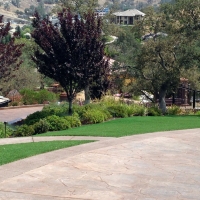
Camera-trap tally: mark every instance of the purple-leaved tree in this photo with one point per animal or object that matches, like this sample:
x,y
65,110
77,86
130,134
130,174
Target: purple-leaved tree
x,y
71,52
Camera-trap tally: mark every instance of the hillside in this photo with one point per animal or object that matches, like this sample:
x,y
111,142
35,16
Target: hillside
x,y
11,12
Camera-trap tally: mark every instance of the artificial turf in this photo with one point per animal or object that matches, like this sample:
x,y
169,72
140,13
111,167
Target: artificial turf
x,y
13,152
131,126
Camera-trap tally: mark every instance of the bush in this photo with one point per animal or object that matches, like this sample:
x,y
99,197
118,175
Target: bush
x,y
119,110
154,111
35,117
24,130
41,127
74,121
44,95
57,123
93,116
9,131
55,109
137,110
28,96
173,110
34,97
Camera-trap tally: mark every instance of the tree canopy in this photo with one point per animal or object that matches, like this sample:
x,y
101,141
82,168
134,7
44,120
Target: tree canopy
x,y
9,51
169,45
72,52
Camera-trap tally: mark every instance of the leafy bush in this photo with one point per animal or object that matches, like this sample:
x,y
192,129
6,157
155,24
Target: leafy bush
x,y
33,97
154,111
173,110
136,110
93,116
29,96
57,123
9,131
35,117
119,110
44,95
41,127
197,113
74,121
109,101
24,130
55,109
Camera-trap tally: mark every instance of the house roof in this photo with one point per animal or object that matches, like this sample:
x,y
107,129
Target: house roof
x,y
129,13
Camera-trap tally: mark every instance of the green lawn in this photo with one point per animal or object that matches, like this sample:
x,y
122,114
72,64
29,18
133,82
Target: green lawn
x,y
131,126
13,152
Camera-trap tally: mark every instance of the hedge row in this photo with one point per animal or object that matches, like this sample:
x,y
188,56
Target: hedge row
x,y
54,117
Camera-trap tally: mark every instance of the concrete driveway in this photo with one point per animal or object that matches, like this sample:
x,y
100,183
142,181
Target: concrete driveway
x,y
16,114
155,166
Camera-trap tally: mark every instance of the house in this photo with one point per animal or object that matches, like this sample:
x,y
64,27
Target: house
x,y
102,12
128,17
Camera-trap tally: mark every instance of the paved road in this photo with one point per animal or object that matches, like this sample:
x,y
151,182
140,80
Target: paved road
x,y
10,115
155,166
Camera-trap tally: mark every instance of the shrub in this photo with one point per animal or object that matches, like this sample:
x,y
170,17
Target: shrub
x,y
173,110
154,111
9,131
109,101
93,116
33,97
55,109
74,121
121,110
45,95
57,123
35,117
137,110
41,127
24,130
197,113
28,96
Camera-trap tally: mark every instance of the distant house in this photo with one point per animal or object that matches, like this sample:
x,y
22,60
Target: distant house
x,y
102,12
128,17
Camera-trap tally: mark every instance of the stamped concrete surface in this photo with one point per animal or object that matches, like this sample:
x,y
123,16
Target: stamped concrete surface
x,y
164,165
17,113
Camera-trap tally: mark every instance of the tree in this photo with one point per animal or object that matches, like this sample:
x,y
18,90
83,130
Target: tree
x,y
9,52
169,47
72,53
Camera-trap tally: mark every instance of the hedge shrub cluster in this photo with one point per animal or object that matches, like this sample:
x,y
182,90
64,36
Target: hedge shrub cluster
x,y
37,97
55,118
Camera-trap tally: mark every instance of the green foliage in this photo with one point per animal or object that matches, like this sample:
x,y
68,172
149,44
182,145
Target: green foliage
x,y
154,111
93,116
24,130
197,113
33,97
36,116
57,123
55,109
74,120
173,110
41,127
121,110
9,131
137,110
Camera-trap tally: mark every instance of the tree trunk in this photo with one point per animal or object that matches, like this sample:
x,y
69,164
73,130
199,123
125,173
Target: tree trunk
x,y
162,103
87,94
70,106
